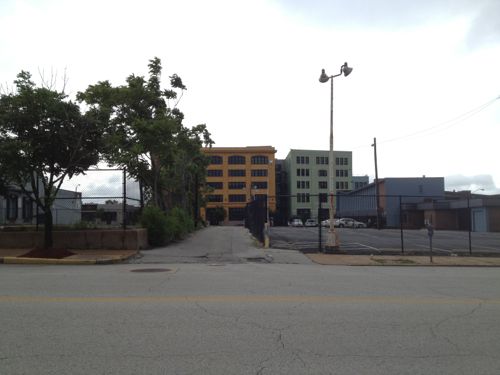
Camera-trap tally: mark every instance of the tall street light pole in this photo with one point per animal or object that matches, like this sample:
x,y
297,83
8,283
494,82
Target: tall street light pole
x,y
377,191
332,242
267,224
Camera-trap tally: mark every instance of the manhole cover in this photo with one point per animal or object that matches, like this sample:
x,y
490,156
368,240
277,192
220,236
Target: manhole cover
x,y
151,270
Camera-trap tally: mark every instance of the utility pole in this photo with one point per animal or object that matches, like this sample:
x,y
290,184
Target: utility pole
x,y
377,192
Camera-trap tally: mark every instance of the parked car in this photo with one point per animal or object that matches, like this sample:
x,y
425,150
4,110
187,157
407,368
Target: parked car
x,y
347,222
326,223
296,223
311,223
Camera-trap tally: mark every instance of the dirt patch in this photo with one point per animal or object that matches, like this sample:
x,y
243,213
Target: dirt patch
x,y
394,261
47,253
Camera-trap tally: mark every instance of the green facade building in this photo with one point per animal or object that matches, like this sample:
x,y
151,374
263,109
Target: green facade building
x,y
308,181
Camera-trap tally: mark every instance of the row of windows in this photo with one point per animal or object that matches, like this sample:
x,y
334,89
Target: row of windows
x,y
323,172
237,173
342,173
359,185
302,172
302,184
233,197
302,159
341,161
303,198
321,160
305,184
237,185
342,185
239,159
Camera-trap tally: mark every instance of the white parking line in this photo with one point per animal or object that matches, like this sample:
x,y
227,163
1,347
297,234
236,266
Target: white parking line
x,y
436,248
367,246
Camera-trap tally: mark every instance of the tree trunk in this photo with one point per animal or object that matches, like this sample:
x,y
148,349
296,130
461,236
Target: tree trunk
x,y
48,241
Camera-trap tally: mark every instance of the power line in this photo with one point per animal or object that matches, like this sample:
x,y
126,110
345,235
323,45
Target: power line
x,y
441,126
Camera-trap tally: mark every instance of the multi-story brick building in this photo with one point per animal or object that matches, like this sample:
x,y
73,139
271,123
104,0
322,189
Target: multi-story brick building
x,y
236,175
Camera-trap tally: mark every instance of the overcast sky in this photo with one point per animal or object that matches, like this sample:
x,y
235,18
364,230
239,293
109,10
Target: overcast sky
x,y
425,82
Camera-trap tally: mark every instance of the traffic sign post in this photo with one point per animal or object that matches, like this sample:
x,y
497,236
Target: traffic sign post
x,y
430,233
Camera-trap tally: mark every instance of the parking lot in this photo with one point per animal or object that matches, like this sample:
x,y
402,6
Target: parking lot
x,y
387,241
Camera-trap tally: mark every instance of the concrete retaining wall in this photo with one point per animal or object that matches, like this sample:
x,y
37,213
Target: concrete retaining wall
x,y
130,239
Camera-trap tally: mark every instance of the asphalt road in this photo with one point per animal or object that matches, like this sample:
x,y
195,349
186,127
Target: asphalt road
x,y
248,318
373,241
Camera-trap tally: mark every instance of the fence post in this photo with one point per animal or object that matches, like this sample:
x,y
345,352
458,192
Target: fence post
x,y
319,223
470,224
124,198
39,198
401,225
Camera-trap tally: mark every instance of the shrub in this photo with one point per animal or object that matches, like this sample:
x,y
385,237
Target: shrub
x,y
180,223
157,225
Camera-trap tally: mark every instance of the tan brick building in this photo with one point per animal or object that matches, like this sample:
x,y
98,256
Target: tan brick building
x,y
236,175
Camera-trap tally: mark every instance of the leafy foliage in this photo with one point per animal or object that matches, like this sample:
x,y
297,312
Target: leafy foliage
x,y
44,139
163,228
156,223
145,134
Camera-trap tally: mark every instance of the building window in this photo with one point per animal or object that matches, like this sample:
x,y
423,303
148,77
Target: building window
x,y
342,172
323,197
303,198
215,185
27,209
301,172
302,159
341,161
321,160
322,173
359,185
259,172
259,185
236,173
260,197
342,185
214,197
214,173
12,207
236,159
237,198
323,184
302,184
236,185
260,159
215,159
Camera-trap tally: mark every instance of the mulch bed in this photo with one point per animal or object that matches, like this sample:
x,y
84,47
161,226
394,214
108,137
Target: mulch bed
x,y
48,253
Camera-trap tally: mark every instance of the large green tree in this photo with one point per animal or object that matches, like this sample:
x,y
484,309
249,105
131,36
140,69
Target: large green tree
x,y
144,133
44,139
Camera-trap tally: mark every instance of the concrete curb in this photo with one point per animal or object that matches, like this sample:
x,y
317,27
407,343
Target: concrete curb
x,y
64,261
401,261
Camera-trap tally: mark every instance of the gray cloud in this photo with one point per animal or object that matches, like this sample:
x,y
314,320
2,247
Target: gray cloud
x,y
393,15
486,26
460,182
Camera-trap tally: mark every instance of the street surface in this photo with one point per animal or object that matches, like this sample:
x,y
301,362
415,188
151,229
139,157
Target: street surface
x,y
231,313
373,241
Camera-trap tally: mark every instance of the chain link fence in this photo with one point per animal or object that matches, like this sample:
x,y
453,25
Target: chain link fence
x,y
99,198
393,224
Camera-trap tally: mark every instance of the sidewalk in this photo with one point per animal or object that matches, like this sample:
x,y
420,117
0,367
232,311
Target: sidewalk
x,y
402,260
226,244
13,256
